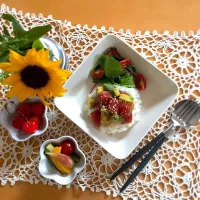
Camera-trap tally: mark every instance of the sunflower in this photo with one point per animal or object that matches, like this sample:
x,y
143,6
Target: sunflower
x,y
34,75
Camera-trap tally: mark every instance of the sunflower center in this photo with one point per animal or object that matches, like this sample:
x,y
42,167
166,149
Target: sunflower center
x,y
34,76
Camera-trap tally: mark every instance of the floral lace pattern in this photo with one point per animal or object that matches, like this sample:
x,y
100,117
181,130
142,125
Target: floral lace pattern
x,y
173,173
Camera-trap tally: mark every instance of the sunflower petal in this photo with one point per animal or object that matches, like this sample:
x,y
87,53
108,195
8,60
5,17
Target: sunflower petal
x,y
8,67
46,92
42,98
31,57
44,55
11,80
17,60
27,92
19,86
51,64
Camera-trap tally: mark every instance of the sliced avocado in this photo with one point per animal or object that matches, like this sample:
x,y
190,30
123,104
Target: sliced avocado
x,y
105,117
104,111
99,89
75,157
117,118
126,97
49,148
91,102
116,92
105,120
112,88
109,87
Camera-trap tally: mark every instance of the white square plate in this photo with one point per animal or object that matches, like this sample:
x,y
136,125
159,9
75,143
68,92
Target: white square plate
x,y
159,95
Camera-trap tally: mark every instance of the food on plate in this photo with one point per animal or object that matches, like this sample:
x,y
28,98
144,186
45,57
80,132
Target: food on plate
x,y
63,157
114,103
112,68
113,108
28,116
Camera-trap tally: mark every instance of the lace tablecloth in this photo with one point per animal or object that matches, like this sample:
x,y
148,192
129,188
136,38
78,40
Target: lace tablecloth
x,y
173,173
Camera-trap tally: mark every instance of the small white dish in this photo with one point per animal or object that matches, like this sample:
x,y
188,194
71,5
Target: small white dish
x,y
47,170
156,98
7,118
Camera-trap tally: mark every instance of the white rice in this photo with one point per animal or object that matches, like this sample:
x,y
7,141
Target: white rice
x,y
118,127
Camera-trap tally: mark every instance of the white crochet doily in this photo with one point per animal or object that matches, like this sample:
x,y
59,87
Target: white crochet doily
x,y
173,173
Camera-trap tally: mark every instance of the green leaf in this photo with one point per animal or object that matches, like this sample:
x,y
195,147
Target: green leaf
x,y
127,81
131,68
3,75
18,29
4,57
99,62
109,86
104,80
38,45
5,31
112,68
35,33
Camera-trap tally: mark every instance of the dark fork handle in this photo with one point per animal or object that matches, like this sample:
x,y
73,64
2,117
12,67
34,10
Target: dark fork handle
x,y
137,155
143,163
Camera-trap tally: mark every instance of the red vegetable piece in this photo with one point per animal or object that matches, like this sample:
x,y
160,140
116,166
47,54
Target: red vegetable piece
x,y
125,63
97,73
114,53
140,82
18,122
37,108
128,119
37,119
96,117
125,108
104,97
68,147
24,109
30,126
113,106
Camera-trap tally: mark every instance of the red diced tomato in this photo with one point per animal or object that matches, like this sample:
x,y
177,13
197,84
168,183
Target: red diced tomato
x,y
113,105
140,82
97,73
105,96
96,118
125,63
114,53
128,119
125,108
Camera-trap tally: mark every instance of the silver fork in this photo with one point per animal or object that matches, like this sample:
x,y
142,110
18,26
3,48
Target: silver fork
x,y
182,113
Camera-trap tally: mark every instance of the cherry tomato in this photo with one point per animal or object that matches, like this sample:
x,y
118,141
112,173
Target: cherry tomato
x,y
24,109
37,108
30,126
114,53
18,122
97,73
125,63
140,82
68,147
37,119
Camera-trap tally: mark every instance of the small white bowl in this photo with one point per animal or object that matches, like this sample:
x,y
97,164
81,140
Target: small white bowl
x,y
47,170
7,118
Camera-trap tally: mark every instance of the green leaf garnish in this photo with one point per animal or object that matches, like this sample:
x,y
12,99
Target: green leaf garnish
x,y
5,31
18,29
38,45
112,68
3,75
23,39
